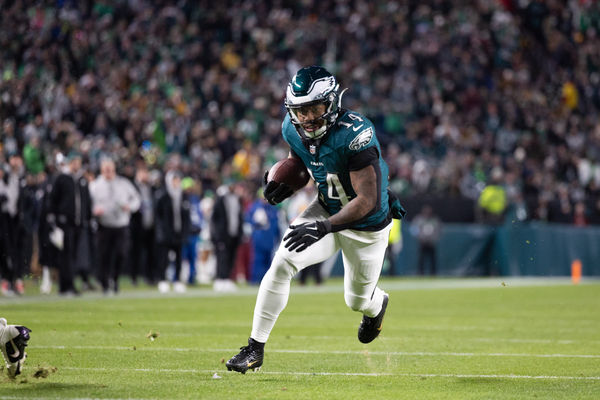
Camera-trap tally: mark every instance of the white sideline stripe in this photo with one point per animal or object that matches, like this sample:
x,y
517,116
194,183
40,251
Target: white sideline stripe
x,y
401,285
68,398
324,373
392,353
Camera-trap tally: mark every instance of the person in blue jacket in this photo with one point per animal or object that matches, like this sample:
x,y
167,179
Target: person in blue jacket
x,y
263,219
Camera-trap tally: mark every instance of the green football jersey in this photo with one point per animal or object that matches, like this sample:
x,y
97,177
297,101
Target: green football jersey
x,y
329,165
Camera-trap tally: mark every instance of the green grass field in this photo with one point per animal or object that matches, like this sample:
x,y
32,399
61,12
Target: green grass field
x,y
497,338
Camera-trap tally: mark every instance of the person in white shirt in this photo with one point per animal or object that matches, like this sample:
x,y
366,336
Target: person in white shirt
x,y
114,198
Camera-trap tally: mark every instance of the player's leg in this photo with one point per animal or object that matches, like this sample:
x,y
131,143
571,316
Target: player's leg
x,y
363,254
275,288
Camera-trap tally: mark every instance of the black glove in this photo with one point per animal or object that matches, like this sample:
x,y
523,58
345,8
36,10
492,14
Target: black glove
x,y
276,192
305,234
398,212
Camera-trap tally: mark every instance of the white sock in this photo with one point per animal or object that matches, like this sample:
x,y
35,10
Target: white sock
x,y
272,297
376,303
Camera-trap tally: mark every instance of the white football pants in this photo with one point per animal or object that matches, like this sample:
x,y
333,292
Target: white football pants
x,y
362,253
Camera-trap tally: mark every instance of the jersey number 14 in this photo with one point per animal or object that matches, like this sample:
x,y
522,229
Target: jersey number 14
x,y
335,190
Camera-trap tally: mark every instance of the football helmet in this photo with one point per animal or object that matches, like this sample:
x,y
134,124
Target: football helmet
x,y
13,340
309,88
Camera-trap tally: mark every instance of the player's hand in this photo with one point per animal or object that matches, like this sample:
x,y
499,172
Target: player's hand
x,y
305,234
275,192
396,208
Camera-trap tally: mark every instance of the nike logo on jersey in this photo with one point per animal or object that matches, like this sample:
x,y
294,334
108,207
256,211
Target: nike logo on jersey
x,y
356,128
362,139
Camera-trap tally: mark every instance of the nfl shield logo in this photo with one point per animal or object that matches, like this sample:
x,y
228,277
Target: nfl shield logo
x,y
313,149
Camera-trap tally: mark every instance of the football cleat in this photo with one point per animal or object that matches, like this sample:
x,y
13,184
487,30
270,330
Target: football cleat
x,y
250,357
370,327
13,340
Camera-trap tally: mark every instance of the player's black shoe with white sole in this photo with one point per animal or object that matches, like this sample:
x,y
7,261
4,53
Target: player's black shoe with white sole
x,y
370,327
250,357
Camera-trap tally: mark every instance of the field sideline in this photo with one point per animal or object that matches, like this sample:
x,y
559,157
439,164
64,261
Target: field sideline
x,y
496,338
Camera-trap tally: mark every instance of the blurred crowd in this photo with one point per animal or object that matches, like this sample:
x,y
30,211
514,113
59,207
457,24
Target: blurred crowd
x,y
501,95
79,229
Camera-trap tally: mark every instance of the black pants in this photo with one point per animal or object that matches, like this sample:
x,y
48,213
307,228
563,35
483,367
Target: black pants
x,y
6,264
18,244
66,259
113,244
426,252
225,252
163,259
143,255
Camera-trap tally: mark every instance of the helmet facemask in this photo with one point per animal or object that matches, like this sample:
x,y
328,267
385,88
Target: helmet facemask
x,y
324,112
313,93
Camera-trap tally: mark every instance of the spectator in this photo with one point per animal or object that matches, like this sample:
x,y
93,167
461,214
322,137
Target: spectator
x,y
263,219
172,228
492,202
5,264
114,199
12,233
427,229
28,212
142,250
226,233
192,191
47,252
394,246
69,209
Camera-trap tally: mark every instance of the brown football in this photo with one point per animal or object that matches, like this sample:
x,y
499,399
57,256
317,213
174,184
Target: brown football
x,y
290,171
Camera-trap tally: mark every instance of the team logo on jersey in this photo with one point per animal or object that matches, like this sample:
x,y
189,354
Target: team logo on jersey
x,y
362,139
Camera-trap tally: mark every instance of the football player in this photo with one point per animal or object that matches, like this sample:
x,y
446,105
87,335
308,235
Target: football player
x,y
352,212
13,340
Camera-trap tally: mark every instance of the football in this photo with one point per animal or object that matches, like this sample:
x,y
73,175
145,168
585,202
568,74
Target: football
x,y
290,171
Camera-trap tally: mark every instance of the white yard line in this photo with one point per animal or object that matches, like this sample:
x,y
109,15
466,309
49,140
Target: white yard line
x,y
386,353
325,373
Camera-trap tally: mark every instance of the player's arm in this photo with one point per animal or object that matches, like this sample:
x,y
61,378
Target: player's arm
x,y
364,182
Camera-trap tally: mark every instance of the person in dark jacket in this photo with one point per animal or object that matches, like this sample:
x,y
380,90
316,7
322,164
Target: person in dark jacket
x,y
47,252
70,210
143,260
28,212
11,233
5,264
171,230
226,226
